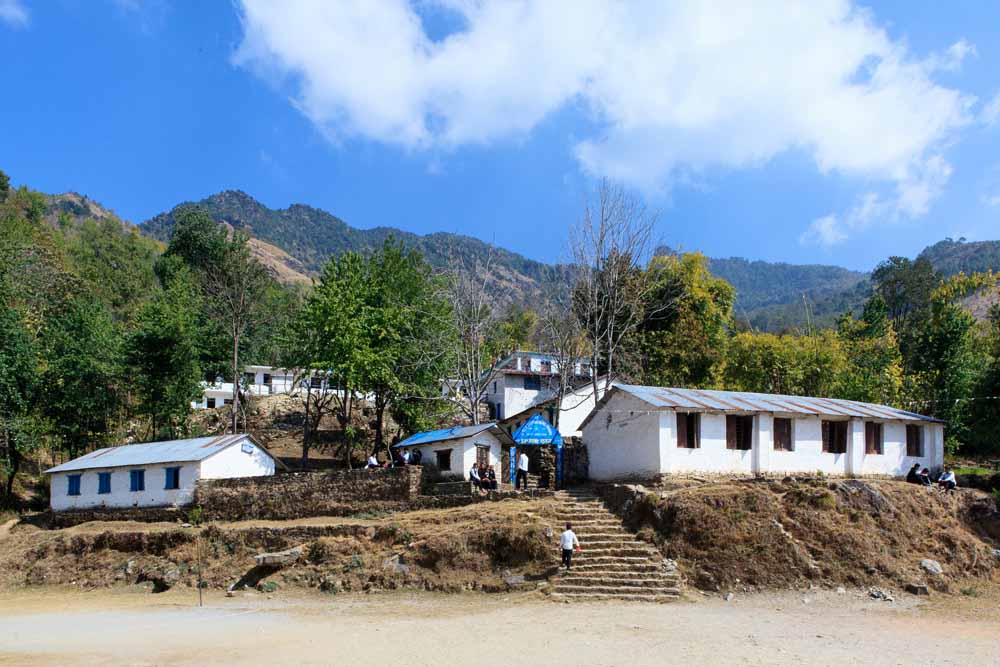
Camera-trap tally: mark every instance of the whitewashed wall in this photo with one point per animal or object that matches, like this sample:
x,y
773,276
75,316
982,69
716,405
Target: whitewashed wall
x,y
463,453
627,445
153,496
712,455
641,446
234,461
230,462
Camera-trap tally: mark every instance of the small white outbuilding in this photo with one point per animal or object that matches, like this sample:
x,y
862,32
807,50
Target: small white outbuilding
x,y
637,431
455,450
154,474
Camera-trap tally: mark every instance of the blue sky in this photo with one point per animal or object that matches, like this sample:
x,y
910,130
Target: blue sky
x,y
837,134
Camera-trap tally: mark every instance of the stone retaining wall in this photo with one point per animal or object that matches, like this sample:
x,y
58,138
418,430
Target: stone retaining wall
x,y
303,494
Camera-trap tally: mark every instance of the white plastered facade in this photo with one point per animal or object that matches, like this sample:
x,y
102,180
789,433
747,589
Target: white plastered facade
x,y
626,438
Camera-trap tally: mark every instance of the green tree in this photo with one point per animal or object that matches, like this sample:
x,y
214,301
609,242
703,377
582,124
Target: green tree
x,y
162,355
328,343
906,286
796,365
82,374
197,240
688,316
116,264
402,307
874,368
4,186
234,289
19,382
984,437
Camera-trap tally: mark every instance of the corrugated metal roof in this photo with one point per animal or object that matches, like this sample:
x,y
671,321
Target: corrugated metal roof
x,y
453,433
147,453
741,401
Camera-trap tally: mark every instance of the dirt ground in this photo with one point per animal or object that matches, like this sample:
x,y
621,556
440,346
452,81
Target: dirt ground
x,y
60,626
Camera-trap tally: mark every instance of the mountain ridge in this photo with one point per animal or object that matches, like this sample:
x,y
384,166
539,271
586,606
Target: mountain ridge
x,y
771,296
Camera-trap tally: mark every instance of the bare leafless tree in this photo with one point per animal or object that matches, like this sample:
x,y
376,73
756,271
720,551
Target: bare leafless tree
x,y
235,290
474,334
612,239
562,337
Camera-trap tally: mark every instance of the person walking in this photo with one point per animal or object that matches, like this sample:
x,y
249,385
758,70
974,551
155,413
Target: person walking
x,y
522,471
568,543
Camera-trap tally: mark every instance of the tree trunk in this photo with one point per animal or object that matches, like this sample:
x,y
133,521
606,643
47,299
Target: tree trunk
x,y
306,430
380,402
348,432
236,382
15,466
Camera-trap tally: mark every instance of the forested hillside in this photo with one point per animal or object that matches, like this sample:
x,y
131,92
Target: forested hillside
x,y
312,236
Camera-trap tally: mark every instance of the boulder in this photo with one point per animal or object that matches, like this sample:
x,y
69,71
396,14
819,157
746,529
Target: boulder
x,y
876,593
931,567
917,589
287,557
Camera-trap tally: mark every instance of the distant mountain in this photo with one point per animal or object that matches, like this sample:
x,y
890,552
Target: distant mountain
x,y
311,236
950,257
771,296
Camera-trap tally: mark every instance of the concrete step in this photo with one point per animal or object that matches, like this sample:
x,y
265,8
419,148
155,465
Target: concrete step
x,y
635,567
641,552
616,590
574,580
603,597
604,535
616,573
590,544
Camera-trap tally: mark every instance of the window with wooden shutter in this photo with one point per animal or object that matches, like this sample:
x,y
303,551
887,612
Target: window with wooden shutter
x,y
688,430
782,434
873,438
914,441
835,437
739,432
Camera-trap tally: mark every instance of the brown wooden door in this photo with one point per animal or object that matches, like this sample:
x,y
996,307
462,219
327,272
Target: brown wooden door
x,y
482,455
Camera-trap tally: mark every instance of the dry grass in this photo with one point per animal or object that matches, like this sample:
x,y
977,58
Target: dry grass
x,y
781,534
449,549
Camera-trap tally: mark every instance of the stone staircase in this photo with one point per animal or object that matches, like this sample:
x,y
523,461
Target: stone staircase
x,y
613,563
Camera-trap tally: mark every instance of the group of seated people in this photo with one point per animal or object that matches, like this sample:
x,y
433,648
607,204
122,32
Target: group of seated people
x,y
483,477
402,457
946,480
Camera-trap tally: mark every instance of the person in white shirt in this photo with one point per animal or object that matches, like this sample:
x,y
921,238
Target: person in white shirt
x,y
372,461
568,542
474,476
947,480
522,471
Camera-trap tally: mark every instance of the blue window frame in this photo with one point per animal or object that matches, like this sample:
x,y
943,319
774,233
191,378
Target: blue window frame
x,y
104,482
532,382
74,485
173,478
137,480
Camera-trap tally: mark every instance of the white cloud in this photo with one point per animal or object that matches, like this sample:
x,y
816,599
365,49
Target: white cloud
x,y
13,13
674,89
990,113
826,231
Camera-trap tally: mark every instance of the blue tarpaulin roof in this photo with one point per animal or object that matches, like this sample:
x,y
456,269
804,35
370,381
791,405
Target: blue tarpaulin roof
x,y
537,431
453,433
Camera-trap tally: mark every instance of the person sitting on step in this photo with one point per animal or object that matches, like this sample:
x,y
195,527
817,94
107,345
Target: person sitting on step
x,y
947,480
474,477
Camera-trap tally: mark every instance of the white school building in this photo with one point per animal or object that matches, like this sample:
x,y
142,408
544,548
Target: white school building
x,y
154,474
455,450
638,431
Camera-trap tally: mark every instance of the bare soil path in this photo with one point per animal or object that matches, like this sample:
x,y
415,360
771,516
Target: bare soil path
x,y
818,628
